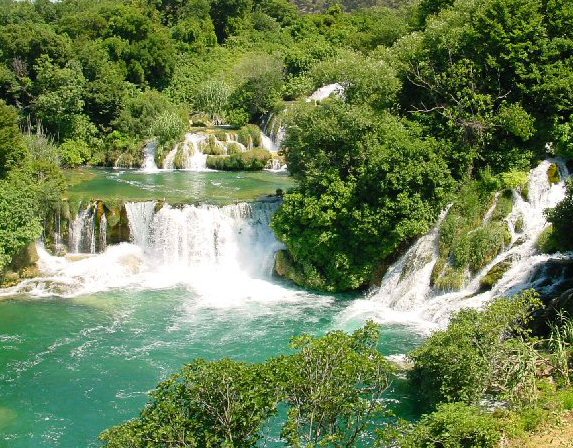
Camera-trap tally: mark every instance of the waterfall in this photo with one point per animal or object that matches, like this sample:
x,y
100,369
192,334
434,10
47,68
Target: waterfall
x,y
196,160
276,166
103,233
149,151
58,239
188,154
233,238
224,254
82,237
273,132
140,215
406,295
169,162
325,91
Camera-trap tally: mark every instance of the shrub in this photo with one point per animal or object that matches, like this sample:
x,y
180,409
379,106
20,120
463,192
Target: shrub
x,y
74,153
168,126
479,353
454,425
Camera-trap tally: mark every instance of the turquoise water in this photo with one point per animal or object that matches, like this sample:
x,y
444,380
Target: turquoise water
x,y
214,187
70,368
198,284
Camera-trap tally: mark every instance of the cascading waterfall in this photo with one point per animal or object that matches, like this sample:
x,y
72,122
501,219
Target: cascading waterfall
x,y
190,153
140,216
149,165
234,237
169,161
103,233
406,295
273,132
325,91
225,254
83,232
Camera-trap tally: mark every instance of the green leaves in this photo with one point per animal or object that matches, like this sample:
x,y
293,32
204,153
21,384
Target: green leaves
x,y
477,354
334,387
367,184
331,385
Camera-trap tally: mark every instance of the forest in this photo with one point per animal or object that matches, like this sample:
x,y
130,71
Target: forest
x,y
444,101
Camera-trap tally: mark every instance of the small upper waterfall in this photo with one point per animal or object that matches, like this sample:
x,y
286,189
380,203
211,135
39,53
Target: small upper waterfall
x,y
325,91
406,294
188,154
149,151
273,132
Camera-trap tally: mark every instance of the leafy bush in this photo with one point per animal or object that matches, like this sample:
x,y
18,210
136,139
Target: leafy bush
x,y
454,425
331,386
74,153
168,126
561,218
478,353
217,403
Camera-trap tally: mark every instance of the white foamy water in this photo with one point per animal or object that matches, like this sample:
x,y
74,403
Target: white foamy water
x,y
224,254
325,91
149,165
190,151
406,296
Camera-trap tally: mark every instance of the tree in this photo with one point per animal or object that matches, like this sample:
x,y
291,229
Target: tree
x,y
60,97
367,184
208,404
11,143
333,388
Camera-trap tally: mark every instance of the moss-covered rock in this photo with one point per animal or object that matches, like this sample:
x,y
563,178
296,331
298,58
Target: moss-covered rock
x,y
200,120
212,146
235,148
553,174
23,266
253,160
495,274
451,279
117,225
519,224
547,243
503,206
286,267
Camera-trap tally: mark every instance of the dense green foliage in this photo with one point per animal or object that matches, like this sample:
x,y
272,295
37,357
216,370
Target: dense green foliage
x,y
30,180
477,355
367,184
453,425
331,386
478,87
561,218
253,160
